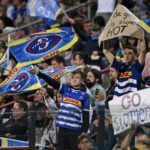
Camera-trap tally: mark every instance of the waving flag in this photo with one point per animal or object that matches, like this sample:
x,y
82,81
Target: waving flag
x,y
19,80
42,46
43,8
57,73
5,60
6,142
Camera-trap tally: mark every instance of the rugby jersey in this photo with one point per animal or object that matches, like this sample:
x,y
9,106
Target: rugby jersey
x,y
129,77
70,112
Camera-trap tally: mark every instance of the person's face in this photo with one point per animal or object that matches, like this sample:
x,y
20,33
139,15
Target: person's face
x,y
55,64
41,114
129,55
77,60
38,96
17,112
112,73
76,80
90,77
87,27
99,96
85,144
59,97
142,142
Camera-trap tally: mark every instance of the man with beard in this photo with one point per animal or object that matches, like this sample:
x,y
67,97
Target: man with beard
x,y
93,82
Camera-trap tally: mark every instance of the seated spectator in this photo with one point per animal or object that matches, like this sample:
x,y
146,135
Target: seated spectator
x,y
16,127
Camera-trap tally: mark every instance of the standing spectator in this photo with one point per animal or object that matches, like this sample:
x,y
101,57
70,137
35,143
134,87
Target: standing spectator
x,y
45,127
129,73
9,6
92,81
105,8
73,115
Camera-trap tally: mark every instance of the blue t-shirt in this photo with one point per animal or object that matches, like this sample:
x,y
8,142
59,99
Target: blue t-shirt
x,y
129,77
70,111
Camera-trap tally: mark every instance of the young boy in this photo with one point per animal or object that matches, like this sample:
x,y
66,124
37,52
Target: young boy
x,y
73,114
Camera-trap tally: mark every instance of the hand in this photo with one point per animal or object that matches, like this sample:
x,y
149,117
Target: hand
x,y
71,21
35,70
134,125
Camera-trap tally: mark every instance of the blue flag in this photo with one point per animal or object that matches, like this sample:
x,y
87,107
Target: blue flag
x,y
6,142
20,80
57,73
43,8
47,24
41,46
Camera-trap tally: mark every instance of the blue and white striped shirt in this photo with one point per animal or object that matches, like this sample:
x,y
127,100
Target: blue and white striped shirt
x,y
129,77
70,111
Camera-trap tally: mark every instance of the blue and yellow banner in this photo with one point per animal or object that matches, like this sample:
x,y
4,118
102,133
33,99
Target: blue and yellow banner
x,y
19,80
6,142
42,46
43,8
57,73
4,61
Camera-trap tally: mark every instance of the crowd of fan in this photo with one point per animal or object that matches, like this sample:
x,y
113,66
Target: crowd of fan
x,y
102,67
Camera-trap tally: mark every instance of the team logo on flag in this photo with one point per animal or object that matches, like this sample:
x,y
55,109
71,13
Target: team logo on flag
x,y
18,82
43,44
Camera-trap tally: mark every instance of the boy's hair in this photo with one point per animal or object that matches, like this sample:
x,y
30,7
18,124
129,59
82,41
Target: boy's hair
x,y
81,56
23,105
78,71
59,59
135,50
83,136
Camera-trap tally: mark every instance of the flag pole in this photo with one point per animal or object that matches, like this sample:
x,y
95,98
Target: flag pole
x,y
66,15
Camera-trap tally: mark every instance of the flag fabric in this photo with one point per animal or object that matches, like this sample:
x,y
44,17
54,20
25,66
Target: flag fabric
x,y
4,60
42,45
57,73
123,23
43,8
19,80
47,24
6,142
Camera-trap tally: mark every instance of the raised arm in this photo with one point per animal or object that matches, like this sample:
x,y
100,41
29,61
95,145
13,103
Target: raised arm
x,y
108,55
45,77
142,51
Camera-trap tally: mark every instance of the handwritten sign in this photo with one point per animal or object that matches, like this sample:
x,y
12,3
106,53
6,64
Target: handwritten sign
x,y
121,23
131,107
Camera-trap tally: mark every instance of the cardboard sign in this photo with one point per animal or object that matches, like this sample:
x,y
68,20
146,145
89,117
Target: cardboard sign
x,y
131,107
123,23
